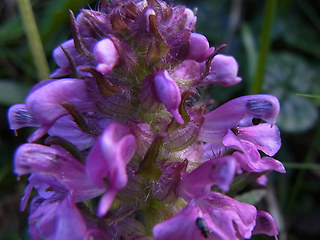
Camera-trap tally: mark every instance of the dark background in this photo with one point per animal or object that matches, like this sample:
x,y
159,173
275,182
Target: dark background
x,y
292,67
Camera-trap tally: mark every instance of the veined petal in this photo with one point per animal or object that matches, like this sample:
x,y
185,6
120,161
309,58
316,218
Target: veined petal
x,y
164,189
227,218
251,161
56,220
51,167
217,171
67,129
229,115
265,224
19,117
264,136
44,103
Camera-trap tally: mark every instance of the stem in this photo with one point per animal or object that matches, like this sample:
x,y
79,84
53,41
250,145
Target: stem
x,y
307,166
34,38
307,95
265,44
299,180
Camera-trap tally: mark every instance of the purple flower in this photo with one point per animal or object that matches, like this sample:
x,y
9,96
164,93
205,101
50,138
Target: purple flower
x,y
223,71
199,47
106,55
213,216
120,121
106,164
232,126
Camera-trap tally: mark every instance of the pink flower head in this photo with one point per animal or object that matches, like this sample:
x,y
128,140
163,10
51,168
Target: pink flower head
x,y
123,120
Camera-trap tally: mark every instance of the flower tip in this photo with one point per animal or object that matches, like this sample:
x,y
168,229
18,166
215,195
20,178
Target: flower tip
x,y
104,68
199,49
175,113
106,55
106,202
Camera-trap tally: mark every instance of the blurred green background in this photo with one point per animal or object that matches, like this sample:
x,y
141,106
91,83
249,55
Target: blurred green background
x,y
276,44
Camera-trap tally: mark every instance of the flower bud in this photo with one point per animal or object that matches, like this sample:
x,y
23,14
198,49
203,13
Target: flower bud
x,y
199,47
223,71
168,93
106,55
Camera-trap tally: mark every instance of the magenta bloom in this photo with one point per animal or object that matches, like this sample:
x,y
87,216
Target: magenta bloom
x,y
123,150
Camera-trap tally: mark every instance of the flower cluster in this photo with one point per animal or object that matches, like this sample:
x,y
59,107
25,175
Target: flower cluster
x,y
124,146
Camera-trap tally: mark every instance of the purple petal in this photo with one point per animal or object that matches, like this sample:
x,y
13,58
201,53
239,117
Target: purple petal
x,y
45,102
191,19
181,226
251,161
218,171
51,167
168,93
26,196
223,71
106,55
78,60
189,72
213,151
265,137
19,117
229,115
66,128
108,160
57,220
265,224
106,201
199,48
228,218
164,189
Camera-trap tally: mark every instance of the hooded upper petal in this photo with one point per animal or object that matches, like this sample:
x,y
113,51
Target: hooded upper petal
x,y
19,117
45,102
230,114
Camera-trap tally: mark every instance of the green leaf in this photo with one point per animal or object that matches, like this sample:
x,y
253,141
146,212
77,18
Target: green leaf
x,y
241,181
288,74
252,197
12,92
